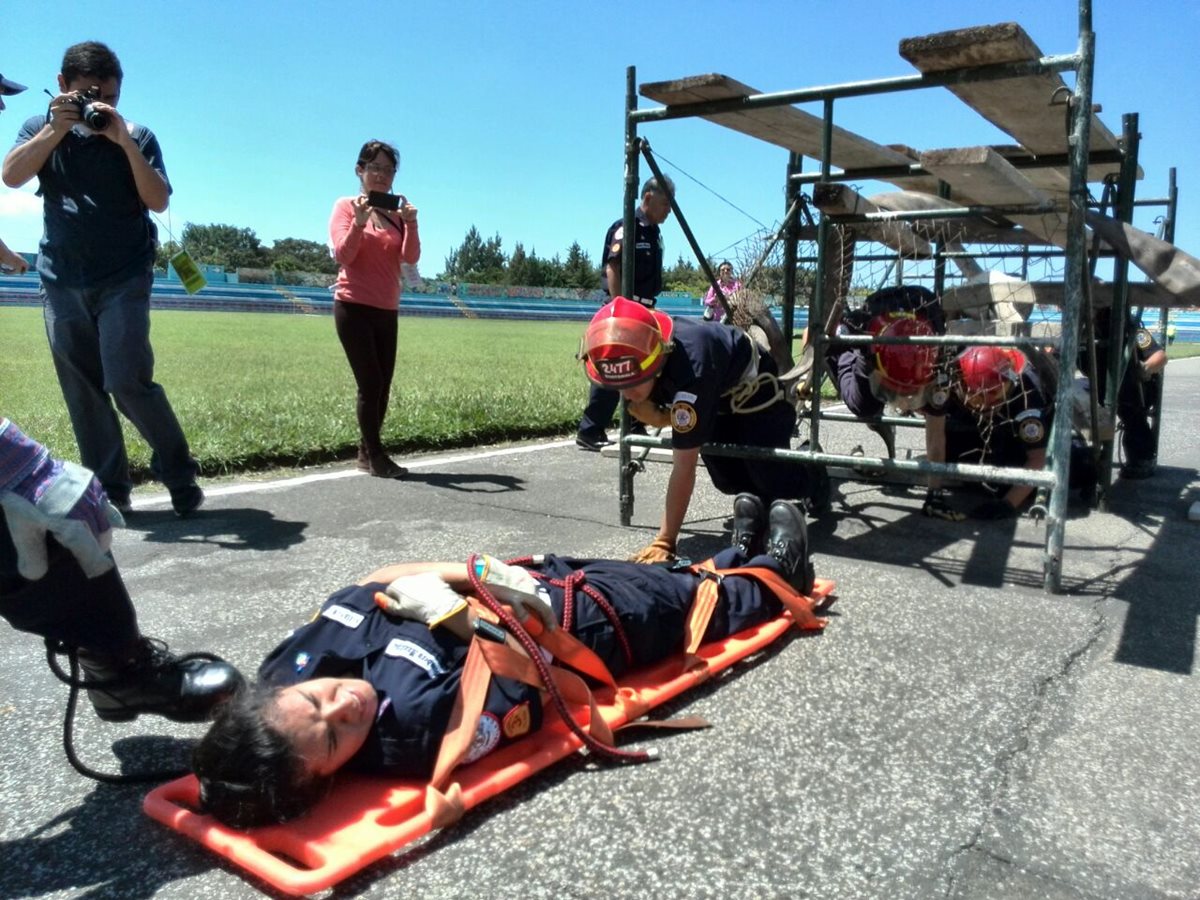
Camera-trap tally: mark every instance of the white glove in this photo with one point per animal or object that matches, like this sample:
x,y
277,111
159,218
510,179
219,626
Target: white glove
x,y
423,598
89,538
516,587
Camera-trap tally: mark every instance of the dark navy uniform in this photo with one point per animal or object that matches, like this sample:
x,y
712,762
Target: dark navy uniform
x,y
1006,435
647,256
416,671
647,285
707,361
851,367
1136,399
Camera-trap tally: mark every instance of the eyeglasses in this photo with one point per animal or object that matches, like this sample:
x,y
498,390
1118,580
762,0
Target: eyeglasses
x,y
375,169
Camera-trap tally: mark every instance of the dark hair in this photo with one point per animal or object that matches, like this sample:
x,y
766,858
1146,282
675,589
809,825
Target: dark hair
x,y
652,186
90,58
250,774
725,263
371,149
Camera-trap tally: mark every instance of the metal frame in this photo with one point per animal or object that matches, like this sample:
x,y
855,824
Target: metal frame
x,y
1052,480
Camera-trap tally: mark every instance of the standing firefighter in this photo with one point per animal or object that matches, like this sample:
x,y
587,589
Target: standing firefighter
x,y
711,385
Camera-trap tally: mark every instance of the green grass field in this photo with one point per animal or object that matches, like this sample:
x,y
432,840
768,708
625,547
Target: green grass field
x,y
258,390
254,391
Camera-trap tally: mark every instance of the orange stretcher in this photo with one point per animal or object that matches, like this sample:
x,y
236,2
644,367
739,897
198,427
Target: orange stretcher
x,y
366,818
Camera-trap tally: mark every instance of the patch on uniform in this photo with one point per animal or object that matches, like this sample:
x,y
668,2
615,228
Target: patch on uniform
x,y
1144,340
1032,430
517,721
302,661
487,736
398,648
343,616
683,417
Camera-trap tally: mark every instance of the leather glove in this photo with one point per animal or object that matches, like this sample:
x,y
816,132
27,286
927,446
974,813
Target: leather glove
x,y
658,550
994,509
516,587
422,598
650,413
41,495
936,507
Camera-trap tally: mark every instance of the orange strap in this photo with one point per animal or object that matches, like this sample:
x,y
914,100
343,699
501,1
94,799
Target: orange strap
x,y
569,649
708,591
487,658
800,606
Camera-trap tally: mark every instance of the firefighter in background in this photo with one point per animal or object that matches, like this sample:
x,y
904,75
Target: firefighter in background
x,y
710,384
998,414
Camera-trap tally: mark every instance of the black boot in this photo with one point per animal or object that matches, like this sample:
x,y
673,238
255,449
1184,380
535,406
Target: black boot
x,y
149,679
787,544
749,525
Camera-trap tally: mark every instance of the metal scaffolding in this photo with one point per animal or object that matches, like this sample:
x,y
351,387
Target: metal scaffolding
x,y
1052,482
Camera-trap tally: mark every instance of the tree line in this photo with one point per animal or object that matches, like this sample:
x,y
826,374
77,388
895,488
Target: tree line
x,y
476,260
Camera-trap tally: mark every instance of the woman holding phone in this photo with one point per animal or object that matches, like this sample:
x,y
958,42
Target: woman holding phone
x,y
371,235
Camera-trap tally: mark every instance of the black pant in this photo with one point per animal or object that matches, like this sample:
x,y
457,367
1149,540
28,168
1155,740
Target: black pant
x,y
368,336
65,605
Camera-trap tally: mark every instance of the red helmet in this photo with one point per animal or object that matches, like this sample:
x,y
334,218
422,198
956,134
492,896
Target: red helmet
x,y
626,343
904,369
986,368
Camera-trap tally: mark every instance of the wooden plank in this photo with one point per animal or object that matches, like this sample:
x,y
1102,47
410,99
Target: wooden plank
x,y
981,175
968,297
841,199
1019,106
785,126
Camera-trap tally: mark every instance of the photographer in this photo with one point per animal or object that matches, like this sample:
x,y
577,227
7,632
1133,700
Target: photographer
x,y
99,176
371,235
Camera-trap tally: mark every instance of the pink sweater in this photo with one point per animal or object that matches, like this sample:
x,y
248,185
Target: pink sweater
x,y
369,258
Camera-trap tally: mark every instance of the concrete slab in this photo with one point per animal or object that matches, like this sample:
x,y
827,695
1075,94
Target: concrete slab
x,y
955,731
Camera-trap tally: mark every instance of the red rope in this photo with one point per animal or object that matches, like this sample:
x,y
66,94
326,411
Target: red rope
x,y
534,652
576,580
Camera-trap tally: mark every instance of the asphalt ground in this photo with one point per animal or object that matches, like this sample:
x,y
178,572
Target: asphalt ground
x,y
954,732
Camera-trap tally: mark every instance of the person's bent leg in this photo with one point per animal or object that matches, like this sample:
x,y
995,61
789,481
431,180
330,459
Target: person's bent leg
x,y
128,674
597,416
75,350
123,319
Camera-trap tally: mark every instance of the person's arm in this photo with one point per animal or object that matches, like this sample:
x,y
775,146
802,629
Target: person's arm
x,y
612,275
27,158
1035,459
935,445
410,250
1153,364
346,226
151,186
680,485
12,260
453,573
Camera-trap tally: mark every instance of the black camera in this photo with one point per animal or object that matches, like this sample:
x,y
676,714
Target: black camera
x,y
86,101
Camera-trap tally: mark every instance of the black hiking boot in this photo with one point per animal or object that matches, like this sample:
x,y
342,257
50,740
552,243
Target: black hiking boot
x,y
150,679
787,544
749,525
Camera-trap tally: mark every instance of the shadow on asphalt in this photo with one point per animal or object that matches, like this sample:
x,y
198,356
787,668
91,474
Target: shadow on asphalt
x,y
108,824
1164,602
469,482
238,528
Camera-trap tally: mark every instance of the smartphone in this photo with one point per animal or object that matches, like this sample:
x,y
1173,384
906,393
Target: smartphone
x,y
381,200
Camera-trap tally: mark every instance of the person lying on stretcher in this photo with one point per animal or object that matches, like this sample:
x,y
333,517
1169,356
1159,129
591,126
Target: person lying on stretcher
x,y
369,684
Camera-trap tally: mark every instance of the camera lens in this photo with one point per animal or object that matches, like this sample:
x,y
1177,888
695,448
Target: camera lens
x,y
94,118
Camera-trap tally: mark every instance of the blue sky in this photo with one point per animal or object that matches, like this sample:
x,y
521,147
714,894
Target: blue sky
x,y
508,116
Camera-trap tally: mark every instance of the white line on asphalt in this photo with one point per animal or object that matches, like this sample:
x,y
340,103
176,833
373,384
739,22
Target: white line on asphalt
x,y
282,483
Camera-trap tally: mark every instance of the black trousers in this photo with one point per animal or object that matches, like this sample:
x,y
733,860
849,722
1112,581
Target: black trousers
x,y
368,336
65,605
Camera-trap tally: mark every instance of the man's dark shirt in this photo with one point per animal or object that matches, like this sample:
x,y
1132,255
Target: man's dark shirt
x,y
647,258
97,230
